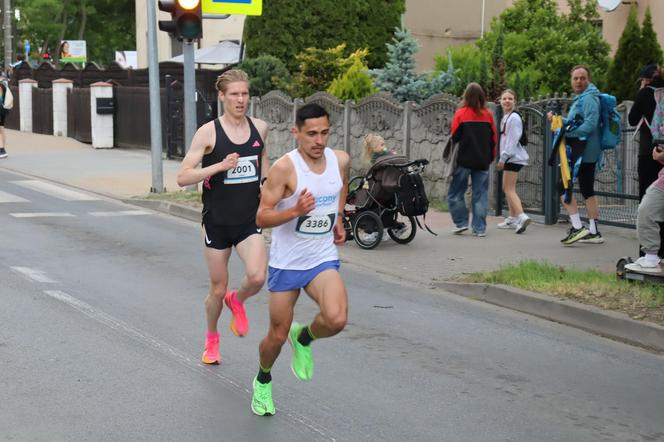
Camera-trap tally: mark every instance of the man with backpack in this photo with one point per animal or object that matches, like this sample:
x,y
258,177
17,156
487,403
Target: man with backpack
x,y
585,140
642,115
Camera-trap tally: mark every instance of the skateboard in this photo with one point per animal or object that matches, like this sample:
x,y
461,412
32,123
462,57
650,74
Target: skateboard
x,y
631,275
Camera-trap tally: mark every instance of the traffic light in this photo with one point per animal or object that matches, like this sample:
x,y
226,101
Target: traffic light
x,y
186,18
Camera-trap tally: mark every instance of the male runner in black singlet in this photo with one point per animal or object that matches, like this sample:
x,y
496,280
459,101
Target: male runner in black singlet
x,y
231,151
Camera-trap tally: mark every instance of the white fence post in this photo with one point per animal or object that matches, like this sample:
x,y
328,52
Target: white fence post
x,y
25,99
60,88
102,124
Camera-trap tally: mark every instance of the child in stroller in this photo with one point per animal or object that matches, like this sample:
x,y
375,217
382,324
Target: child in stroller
x,y
390,196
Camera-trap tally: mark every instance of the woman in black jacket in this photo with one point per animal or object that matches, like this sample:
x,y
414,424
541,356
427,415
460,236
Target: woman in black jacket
x,y
643,109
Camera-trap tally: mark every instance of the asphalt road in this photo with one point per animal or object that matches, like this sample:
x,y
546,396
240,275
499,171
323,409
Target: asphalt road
x,y
102,327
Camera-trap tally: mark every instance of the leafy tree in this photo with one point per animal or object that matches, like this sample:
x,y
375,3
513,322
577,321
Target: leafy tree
x,y
541,44
650,51
288,27
105,25
355,83
399,78
266,73
628,59
465,64
497,83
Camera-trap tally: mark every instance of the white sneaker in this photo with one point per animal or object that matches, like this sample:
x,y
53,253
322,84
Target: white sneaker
x,y
644,265
522,223
509,223
459,230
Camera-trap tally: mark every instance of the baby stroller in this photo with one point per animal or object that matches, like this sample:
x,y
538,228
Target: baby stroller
x,y
390,196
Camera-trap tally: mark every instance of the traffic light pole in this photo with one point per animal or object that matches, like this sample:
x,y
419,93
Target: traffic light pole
x,y
189,95
155,103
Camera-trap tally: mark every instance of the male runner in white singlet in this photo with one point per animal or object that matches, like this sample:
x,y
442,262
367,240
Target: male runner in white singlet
x,y
231,151
303,200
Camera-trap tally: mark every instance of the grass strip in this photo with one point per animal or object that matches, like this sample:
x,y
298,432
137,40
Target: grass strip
x,y
638,300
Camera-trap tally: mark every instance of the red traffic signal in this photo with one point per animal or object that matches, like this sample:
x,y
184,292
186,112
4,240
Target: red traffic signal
x,y
186,18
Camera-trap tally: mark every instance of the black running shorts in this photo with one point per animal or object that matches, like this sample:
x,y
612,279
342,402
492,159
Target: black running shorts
x,y
222,237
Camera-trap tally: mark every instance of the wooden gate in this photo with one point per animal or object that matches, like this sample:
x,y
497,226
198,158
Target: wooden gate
x,y
42,111
79,125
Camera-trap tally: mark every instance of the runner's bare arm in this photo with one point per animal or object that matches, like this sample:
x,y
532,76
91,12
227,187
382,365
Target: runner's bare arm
x,y
277,187
262,128
202,143
344,163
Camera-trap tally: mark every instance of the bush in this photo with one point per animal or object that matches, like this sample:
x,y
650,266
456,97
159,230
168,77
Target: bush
x,y
266,73
355,83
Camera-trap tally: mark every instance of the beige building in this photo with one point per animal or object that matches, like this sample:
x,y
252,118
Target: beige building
x,y
438,24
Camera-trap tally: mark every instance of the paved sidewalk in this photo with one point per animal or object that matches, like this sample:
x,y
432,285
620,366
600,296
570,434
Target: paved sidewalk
x,y
428,260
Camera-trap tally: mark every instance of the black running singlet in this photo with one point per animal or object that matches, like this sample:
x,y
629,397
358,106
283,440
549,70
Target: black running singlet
x,y
231,197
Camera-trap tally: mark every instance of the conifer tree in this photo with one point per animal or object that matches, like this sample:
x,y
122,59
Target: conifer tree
x,y
627,61
399,77
651,51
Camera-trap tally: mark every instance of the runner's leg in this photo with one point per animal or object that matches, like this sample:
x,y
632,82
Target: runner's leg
x,y
329,292
252,253
217,262
281,305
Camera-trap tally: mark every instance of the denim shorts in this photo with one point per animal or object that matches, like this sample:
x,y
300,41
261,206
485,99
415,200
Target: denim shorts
x,y
280,280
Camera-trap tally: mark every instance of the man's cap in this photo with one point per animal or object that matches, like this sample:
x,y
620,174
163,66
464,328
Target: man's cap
x,y
648,71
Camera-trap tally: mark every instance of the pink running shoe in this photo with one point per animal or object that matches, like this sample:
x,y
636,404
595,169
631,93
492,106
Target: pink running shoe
x,y
211,353
239,323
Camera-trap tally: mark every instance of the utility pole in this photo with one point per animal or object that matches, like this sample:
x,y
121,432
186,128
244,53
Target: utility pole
x,y
7,28
155,102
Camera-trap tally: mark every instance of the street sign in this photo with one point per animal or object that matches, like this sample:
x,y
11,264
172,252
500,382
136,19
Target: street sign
x,y
243,7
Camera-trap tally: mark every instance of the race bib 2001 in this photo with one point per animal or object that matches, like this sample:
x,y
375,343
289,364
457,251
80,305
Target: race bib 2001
x,y
314,226
244,172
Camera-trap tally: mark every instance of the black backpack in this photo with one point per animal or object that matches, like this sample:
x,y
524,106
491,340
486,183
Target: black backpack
x,y
411,197
523,141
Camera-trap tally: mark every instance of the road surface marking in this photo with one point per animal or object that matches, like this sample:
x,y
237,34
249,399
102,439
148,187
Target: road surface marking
x,y
56,191
40,214
34,274
122,213
182,358
10,198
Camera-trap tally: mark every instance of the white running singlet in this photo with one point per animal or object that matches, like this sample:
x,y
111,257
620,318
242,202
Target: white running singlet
x,y
307,241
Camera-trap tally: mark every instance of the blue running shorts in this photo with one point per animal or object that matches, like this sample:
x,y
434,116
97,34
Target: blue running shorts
x,y
279,280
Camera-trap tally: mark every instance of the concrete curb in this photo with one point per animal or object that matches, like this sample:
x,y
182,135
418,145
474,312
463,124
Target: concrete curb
x,y
602,322
179,210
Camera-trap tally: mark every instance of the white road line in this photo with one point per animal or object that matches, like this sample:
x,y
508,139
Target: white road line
x,y
56,191
10,198
182,358
34,274
122,213
40,214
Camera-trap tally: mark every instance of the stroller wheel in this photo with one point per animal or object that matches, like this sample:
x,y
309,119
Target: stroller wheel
x,y
367,229
404,229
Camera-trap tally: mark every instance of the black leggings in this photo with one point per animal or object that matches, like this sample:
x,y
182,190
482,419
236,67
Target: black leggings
x,y
586,179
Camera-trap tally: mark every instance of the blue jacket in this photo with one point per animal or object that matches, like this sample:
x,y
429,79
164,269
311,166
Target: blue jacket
x,y
586,106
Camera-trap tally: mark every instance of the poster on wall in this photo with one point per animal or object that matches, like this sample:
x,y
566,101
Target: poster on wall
x,y
73,51
127,59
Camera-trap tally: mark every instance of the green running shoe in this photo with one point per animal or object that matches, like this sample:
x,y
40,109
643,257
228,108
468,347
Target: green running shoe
x,y
261,401
302,362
